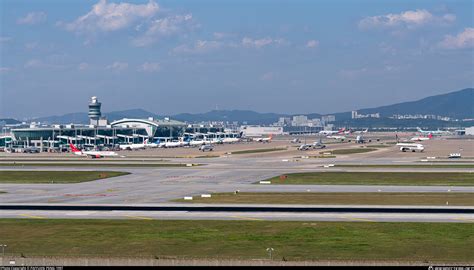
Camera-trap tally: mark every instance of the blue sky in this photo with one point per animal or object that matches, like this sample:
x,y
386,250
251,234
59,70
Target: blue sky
x,y
193,56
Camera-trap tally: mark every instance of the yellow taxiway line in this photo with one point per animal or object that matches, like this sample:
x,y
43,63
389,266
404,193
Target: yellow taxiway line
x,y
139,217
246,218
31,216
359,219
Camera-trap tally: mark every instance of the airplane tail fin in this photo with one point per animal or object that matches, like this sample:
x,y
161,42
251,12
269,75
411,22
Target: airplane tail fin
x,y
430,136
74,148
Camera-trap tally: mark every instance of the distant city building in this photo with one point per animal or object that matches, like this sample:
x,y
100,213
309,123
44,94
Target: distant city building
x,y
283,121
328,118
299,121
356,115
316,122
423,116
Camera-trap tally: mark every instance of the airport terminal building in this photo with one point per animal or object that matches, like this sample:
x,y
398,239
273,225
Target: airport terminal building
x,y
98,133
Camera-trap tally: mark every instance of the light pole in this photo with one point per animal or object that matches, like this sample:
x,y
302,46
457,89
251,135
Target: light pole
x,y
270,252
3,255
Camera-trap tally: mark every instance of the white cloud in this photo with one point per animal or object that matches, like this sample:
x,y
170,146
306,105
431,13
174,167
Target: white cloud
x,y
267,76
106,17
5,69
5,39
222,35
51,61
31,45
117,66
201,46
163,27
83,66
150,67
463,40
409,19
32,18
259,43
34,63
312,43
353,73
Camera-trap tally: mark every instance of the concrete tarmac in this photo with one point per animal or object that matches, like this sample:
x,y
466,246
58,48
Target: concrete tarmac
x,y
226,173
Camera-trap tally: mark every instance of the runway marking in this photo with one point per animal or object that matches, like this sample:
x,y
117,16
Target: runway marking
x,y
246,218
359,219
31,216
465,219
139,217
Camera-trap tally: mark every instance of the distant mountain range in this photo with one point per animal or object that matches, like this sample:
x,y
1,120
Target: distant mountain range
x,y
458,104
9,121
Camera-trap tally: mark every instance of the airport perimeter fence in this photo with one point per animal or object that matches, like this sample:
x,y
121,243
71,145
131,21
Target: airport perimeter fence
x,y
138,261
15,259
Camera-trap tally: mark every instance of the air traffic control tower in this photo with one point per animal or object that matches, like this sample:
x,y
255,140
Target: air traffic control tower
x,y
94,111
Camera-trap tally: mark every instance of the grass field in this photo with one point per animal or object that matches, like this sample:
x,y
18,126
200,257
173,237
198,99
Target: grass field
x,y
421,165
381,198
378,178
438,242
252,151
90,164
55,177
349,151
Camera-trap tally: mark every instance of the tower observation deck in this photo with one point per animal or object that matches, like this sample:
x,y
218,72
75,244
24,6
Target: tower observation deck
x,y
94,111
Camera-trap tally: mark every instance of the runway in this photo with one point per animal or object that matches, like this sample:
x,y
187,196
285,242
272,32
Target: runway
x,y
361,213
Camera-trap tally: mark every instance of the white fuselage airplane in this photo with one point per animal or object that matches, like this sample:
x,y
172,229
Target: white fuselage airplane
x,y
362,131
263,140
92,154
137,146
412,147
230,140
421,138
330,132
336,137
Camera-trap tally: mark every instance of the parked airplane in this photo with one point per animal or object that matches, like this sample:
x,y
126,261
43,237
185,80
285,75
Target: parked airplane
x,y
421,138
316,145
132,146
319,144
206,147
336,137
305,147
263,140
413,147
361,139
137,146
348,131
296,140
330,132
92,154
362,131
230,140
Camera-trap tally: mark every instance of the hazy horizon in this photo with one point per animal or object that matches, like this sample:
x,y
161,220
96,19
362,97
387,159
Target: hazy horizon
x,y
289,57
